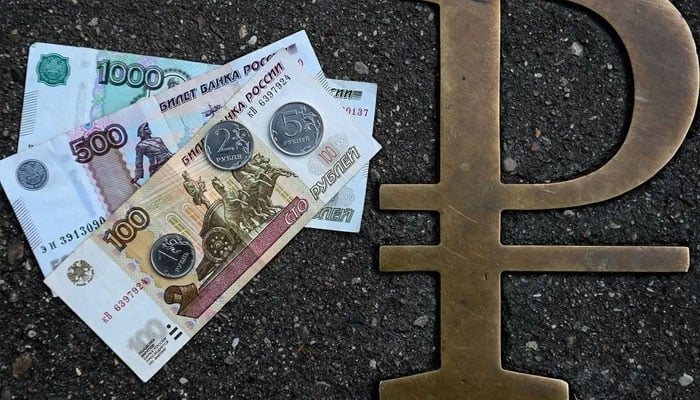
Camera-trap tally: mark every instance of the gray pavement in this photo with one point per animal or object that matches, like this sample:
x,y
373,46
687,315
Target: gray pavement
x,y
321,322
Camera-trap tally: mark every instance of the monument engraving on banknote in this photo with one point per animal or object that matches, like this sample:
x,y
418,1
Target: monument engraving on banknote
x,y
153,148
96,166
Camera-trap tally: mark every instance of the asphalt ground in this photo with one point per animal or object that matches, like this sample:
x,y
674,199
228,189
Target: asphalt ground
x,y
321,321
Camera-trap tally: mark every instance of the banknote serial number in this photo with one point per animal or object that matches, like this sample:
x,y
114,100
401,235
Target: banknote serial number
x,y
273,89
357,111
130,294
134,75
81,231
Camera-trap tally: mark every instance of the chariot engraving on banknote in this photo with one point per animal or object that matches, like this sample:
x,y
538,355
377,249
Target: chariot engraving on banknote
x,y
95,167
49,240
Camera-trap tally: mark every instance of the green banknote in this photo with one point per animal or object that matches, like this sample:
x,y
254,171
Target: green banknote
x,y
75,85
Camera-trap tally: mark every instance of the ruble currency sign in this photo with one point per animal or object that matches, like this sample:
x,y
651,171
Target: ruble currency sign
x,y
470,257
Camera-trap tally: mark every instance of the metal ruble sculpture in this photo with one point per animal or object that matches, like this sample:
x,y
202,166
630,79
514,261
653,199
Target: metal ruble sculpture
x,y
470,257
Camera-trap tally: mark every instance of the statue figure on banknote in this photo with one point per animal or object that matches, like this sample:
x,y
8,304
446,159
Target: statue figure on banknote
x,y
237,212
255,191
265,178
196,189
152,147
264,199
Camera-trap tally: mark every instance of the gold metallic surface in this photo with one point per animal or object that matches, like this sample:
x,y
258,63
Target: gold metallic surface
x,y
470,196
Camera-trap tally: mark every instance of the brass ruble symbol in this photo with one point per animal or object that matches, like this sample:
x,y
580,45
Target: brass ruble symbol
x,y
470,196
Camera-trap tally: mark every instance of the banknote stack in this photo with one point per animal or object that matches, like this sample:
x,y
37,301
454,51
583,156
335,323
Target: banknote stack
x,y
151,190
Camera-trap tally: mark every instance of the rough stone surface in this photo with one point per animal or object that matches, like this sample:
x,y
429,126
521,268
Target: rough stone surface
x,y
610,336
361,68
685,380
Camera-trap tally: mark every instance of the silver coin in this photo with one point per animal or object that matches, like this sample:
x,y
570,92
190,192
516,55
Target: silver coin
x,y
172,256
296,129
228,145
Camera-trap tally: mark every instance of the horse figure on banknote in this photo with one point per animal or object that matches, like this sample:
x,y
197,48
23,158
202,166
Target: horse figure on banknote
x,y
266,178
264,198
238,213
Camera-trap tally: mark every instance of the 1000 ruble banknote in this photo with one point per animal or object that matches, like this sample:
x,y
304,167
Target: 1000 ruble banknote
x,y
64,188
177,250
67,86
86,84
